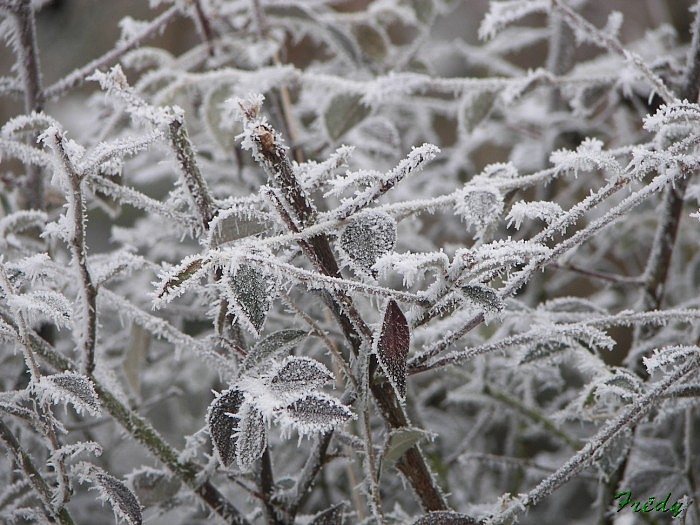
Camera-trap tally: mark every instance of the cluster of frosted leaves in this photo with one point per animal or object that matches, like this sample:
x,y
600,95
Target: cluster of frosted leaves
x,y
69,387
250,293
366,238
113,491
268,390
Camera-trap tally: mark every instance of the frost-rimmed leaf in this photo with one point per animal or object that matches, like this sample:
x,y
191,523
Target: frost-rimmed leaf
x,y
474,108
299,374
233,224
445,517
331,516
392,347
178,279
479,205
271,346
113,491
153,486
6,331
251,292
668,356
368,237
484,297
251,437
223,425
43,304
400,441
315,413
22,220
71,387
343,112
544,350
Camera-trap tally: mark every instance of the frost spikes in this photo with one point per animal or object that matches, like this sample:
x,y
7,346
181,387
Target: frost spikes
x,y
392,347
222,426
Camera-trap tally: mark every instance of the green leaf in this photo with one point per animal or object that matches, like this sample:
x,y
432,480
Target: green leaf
x,y
343,113
371,40
400,441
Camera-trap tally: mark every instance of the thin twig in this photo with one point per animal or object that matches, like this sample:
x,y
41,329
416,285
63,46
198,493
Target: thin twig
x,y
79,252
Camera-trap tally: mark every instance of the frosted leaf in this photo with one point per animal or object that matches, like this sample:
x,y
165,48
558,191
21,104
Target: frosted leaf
x,y
502,14
7,332
446,517
331,516
299,374
315,413
343,112
178,279
43,304
368,237
474,108
252,437
670,114
614,454
153,486
392,347
233,224
251,293
543,210
400,441
271,346
222,423
117,494
71,387
483,297
544,350
479,205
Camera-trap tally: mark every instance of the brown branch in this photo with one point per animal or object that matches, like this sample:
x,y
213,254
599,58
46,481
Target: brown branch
x,y
659,261
276,163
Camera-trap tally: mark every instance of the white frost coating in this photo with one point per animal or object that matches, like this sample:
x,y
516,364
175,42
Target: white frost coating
x,y
43,304
588,156
669,355
502,14
479,205
544,210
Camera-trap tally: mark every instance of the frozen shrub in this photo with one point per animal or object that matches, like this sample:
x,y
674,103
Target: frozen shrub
x,y
331,262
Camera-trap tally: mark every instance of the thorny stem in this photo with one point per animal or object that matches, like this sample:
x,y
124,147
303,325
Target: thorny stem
x,y
79,252
24,461
274,160
628,419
